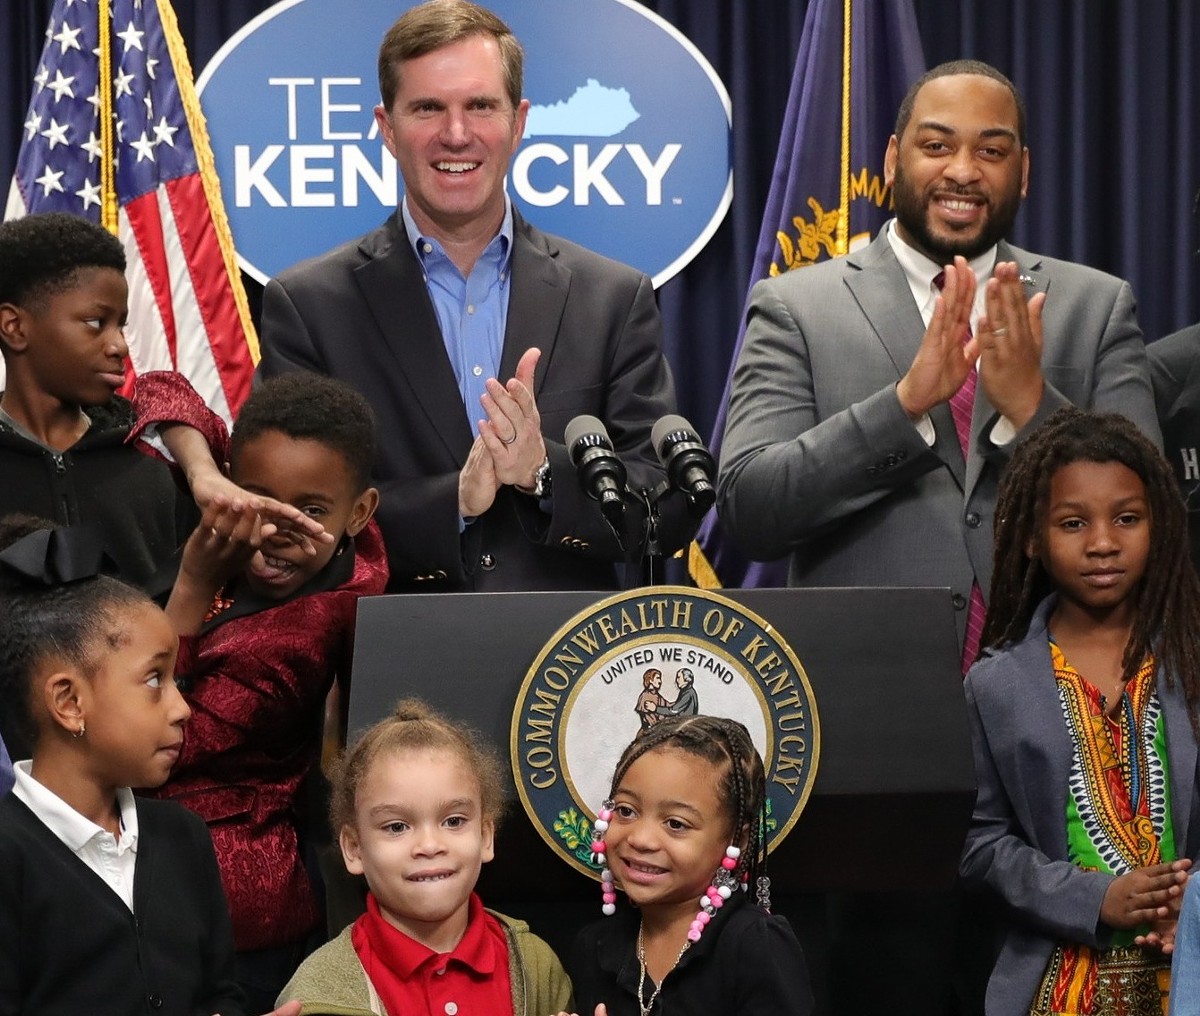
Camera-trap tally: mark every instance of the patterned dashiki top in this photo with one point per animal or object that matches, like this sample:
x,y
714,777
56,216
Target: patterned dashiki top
x,y
1118,819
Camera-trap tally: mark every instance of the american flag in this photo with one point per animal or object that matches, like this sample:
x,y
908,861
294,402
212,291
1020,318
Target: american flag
x,y
114,77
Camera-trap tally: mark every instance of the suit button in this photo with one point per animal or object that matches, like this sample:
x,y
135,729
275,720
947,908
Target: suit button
x,y
973,520
891,461
487,562
872,470
155,1001
959,601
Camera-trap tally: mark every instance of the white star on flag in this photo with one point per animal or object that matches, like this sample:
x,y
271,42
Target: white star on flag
x,y
68,38
131,37
56,133
92,147
49,181
164,133
90,194
61,86
144,147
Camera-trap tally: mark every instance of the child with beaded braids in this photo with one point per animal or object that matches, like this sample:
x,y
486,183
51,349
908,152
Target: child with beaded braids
x,y
682,836
1083,714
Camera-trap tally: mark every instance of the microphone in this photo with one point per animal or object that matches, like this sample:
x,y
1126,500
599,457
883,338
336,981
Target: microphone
x,y
689,465
601,473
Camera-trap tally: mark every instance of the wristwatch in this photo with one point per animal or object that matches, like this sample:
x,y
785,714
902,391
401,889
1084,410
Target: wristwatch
x,y
541,482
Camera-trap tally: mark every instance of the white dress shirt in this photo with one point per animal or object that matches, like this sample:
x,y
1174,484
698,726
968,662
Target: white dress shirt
x,y
110,857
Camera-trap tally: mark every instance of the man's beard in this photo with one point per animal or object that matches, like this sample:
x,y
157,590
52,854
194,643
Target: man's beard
x,y
912,212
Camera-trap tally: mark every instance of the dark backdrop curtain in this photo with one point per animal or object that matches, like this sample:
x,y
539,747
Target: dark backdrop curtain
x,y
1112,86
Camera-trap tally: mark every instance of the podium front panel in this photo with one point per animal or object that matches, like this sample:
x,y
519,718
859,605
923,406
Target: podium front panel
x,y
895,781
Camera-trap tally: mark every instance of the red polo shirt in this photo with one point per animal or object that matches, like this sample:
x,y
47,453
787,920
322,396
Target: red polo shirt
x,y
470,980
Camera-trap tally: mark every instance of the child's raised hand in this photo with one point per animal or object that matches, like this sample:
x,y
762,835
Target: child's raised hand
x,y
212,486
1145,895
228,536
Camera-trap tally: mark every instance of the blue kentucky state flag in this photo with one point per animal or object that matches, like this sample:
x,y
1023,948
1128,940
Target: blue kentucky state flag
x,y
856,61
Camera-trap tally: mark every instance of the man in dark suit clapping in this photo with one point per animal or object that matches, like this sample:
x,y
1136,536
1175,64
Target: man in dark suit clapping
x,y
456,291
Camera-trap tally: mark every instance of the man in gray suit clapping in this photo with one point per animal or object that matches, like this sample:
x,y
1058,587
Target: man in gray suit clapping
x,y
878,396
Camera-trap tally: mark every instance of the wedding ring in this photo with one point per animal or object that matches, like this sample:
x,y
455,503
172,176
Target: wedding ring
x,y
510,440
999,331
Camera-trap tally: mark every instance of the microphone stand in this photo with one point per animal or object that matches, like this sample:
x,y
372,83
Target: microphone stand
x,y
649,555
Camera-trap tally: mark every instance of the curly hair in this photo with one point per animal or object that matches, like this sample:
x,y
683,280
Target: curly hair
x,y
741,784
67,622
414,726
311,407
1167,605
41,255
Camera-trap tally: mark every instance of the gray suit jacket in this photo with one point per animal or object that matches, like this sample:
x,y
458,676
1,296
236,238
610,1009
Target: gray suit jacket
x,y
362,313
1017,843
820,461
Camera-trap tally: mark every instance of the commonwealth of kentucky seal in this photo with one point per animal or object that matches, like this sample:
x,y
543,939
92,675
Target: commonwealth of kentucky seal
x,y
613,671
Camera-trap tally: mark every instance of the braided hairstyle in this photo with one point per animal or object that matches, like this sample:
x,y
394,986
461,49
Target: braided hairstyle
x,y
414,726
68,622
741,786
1167,606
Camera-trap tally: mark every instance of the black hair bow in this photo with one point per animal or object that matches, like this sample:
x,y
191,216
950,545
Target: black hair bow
x,y
51,557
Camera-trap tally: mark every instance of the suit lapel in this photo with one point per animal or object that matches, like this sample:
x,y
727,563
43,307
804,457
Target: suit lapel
x,y
1181,757
882,292
393,286
1042,770
536,300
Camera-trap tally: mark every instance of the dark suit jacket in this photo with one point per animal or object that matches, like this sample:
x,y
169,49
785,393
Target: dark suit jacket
x,y
362,313
1175,373
1017,843
819,460
69,944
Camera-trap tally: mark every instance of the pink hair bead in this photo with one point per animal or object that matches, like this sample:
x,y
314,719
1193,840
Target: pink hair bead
x,y
729,863
693,935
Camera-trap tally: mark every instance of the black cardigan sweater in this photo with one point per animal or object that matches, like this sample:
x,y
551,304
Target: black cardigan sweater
x,y
70,945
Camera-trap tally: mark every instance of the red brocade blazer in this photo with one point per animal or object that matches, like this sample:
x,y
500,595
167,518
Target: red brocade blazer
x,y
257,680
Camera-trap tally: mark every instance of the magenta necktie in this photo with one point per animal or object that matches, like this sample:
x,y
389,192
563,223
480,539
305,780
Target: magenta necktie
x,y
962,403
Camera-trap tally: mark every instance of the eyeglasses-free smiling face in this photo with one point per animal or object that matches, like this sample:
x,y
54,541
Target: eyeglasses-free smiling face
x,y
453,129
421,839
313,477
669,829
959,173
